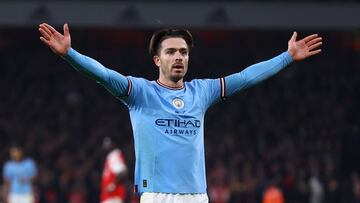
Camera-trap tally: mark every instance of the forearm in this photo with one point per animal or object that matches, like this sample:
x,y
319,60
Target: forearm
x,y
114,82
5,191
256,73
86,65
121,177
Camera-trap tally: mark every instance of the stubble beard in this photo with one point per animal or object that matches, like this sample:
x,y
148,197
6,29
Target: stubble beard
x,y
174,75
177,76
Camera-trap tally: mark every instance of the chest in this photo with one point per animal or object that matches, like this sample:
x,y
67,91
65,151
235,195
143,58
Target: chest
x,y
177,103
18,170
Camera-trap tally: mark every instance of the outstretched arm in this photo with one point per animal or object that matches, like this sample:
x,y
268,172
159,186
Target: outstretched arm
x,y
60,44
297,50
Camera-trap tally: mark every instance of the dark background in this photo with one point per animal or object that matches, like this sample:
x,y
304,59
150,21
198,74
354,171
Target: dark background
x,y
302,123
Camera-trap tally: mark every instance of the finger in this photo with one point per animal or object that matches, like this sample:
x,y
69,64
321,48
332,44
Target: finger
x,y
314,41
44,34
52,30
66,30
45,41
314,46
42,26
312,53
293,37
310,37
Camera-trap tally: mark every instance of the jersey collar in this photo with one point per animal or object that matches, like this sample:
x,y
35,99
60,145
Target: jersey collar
x,y
169,87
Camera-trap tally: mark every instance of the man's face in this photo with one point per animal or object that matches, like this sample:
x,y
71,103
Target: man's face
x,y
16,154
173,58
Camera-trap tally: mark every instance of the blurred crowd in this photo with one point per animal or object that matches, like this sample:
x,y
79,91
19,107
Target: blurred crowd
x,y
297,131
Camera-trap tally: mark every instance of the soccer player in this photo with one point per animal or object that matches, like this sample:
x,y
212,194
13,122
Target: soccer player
x,y
167,115
19,174
114,173
273,194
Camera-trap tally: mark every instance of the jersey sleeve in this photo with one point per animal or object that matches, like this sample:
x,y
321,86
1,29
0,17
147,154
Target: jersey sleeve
x,y
114,82
6,172
254,74
136,92
209,91
32,170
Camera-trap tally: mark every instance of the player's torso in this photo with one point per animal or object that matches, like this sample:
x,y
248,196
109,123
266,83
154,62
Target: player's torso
x,y
114,163
168,134
173,113
109,177
19,173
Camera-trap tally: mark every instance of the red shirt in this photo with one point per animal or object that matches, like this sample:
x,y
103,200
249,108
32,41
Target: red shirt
x,y
273,195
114,165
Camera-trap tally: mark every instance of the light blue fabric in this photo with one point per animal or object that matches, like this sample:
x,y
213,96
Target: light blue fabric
x,y
19,175
256,73
168,124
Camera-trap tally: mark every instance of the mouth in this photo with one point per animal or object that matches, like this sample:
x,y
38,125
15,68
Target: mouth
x,y
178,66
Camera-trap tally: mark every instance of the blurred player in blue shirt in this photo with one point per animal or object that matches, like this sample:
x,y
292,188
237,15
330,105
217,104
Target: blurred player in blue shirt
x,y
167,115
19,174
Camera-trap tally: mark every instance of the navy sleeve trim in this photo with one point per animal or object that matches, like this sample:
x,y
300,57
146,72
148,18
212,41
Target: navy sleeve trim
x,y
129,87
128,90
222,89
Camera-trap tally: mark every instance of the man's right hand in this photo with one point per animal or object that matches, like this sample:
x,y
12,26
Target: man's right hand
x,y
56,41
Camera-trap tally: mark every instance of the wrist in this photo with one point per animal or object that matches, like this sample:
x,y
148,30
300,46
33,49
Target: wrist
x,y
291,54
66,52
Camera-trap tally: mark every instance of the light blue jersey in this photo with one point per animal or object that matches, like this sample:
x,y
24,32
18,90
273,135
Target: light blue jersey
x,y
168,123
19,174
168,126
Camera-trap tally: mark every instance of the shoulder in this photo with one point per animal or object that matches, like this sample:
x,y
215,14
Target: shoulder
x,y
138,80
115,152
8,165
139,83
115,156
202,82
28,162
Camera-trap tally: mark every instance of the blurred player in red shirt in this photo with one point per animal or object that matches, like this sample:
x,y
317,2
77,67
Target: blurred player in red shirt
x,y
115,171
273,195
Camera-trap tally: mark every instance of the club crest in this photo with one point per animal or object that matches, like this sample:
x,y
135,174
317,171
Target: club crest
x,y
178,103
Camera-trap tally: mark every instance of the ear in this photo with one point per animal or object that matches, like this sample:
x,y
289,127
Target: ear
x,y
156,60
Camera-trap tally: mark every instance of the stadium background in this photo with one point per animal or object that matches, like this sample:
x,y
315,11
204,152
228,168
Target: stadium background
x,y
299,126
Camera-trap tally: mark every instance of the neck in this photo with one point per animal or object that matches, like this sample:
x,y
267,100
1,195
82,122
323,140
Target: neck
x,y
171,83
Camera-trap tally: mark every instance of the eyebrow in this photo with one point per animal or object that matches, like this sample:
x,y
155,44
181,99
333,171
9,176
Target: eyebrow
x,y
174,49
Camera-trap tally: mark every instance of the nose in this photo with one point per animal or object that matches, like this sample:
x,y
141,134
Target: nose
x,y
178,56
